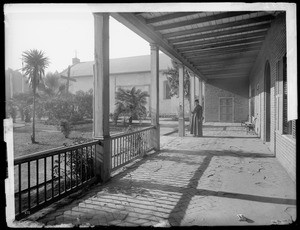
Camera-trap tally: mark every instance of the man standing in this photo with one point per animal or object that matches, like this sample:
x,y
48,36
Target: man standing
x,y
196,127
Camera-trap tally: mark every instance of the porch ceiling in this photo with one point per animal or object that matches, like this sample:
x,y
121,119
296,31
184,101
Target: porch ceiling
x,y
211,44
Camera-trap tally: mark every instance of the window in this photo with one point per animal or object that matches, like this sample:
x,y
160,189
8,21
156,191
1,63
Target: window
x,y
167,90
287,126
252,102
278,94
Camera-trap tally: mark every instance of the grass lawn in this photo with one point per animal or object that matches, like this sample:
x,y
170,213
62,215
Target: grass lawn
x,y
49,136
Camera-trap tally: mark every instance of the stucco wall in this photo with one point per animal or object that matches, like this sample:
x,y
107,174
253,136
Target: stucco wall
x,y
140,80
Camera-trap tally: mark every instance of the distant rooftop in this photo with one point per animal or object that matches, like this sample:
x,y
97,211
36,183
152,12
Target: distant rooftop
x,y
120,65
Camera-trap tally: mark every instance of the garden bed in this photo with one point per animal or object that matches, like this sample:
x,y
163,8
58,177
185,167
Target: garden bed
x,y
49,136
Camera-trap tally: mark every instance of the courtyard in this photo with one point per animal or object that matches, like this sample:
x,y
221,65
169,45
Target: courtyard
x,y
204,181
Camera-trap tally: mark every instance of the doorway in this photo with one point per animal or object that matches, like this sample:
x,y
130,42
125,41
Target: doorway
x,y
267,80
226,109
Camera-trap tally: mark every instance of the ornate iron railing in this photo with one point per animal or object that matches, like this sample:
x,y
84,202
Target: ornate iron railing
x,y
44,177
127,147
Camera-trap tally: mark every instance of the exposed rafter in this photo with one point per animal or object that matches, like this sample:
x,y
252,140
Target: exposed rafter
x,y
228,32
229,44
199,20
263,20
203,63
260,34
169,17
224,57
222,66
226,76
225,47
227,71
244,48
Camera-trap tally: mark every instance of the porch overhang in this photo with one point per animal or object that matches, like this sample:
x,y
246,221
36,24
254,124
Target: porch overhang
x,y
213,45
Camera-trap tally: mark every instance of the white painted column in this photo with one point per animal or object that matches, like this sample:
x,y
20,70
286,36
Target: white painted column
x,y
154,93
197,88
181,126
101,96
200,91
9,181
192,96
11,85
203,99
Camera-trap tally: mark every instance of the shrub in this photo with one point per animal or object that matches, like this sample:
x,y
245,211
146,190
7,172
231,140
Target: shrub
x,y
83,102
27,113
82,164
12,110
65,127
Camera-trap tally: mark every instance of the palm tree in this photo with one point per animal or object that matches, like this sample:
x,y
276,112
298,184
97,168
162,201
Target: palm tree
x,y
52,86
35,65
131,102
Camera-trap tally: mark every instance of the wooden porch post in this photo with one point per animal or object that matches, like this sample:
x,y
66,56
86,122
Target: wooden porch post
x,y
154,105
200,91
192,95
101,96
197,88
181,126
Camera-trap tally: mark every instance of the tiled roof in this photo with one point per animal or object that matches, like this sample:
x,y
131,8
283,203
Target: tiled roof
x,y
120,65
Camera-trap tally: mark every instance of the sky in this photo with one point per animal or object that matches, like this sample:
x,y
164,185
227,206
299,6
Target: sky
x,y
62,33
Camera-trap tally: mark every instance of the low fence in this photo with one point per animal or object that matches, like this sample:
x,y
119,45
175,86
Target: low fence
x,y
44,177
127,147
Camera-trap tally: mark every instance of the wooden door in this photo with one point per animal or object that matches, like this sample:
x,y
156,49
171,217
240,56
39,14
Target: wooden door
x,y
226,109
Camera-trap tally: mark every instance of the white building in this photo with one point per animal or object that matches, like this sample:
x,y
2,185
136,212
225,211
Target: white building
x,y
126,73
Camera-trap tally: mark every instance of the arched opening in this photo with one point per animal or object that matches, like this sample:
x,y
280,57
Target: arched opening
x,y
267,79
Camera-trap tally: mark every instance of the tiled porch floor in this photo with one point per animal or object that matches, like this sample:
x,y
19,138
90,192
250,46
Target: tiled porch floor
x,y
193,181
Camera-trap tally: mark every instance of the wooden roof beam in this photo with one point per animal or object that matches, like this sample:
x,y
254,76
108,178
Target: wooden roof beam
x,y
229,44
220,51
263,19
225,71
223,51
248,47
200,20
224,62
229,32
226,76
224,66
169,17
240,62
226,57
222,39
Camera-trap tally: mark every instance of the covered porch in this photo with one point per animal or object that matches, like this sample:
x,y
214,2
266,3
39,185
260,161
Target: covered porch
x,y
187,180
191,181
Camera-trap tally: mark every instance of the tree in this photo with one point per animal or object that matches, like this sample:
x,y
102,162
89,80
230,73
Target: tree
x,y
23,102
131,102
84,103
35,65
172,75
52,86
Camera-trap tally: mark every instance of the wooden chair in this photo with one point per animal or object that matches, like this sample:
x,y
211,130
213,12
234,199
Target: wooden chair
x,y
250,125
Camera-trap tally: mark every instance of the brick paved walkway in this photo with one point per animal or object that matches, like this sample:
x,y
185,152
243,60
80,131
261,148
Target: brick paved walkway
x,y
193,181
